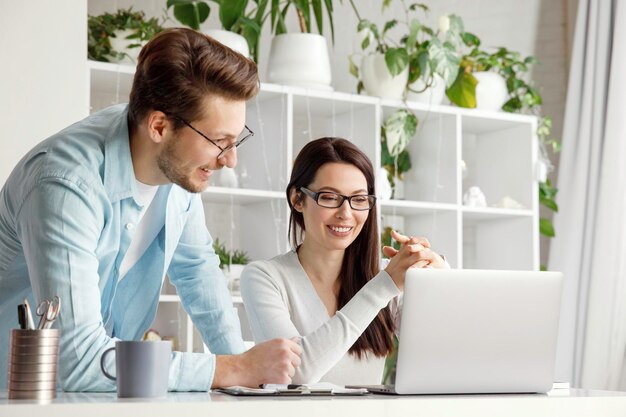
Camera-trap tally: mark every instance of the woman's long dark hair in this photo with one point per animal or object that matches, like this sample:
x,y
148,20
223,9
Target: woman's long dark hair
x,y
361,259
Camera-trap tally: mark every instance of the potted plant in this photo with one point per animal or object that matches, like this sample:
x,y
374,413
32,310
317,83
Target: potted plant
x,y
119,36
232,263
494,81
300,59
241,25
413,66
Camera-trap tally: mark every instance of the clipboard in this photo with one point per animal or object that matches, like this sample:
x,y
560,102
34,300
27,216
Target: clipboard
x,y
294,390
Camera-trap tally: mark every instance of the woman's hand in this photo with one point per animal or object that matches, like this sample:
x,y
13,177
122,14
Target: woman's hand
x,y
403,259
427,259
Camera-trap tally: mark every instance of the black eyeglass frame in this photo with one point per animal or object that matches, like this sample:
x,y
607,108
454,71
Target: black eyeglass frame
x,y
223,151
316,195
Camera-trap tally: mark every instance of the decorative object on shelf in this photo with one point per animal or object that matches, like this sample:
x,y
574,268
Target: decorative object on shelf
x,y
383,185
152,335
507,202
241,26
474,197
301,59
119,36
227,177
396,133
464,171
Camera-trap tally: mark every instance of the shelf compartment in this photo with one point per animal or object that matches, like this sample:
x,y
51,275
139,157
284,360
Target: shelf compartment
x,y
499,242
439,226
337,115
433,173
499,158
257,227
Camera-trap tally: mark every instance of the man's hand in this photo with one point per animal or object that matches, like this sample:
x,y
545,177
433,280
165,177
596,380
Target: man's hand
x,y
271,362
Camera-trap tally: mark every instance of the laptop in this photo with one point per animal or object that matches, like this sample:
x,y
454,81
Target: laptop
x,y
477,331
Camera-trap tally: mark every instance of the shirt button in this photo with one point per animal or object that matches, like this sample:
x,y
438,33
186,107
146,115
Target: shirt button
x,y
129,226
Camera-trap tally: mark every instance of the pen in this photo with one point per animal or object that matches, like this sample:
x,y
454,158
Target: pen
x,y
21,316
30,324
280,386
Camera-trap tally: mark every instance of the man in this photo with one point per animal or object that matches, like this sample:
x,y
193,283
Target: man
x,y
100,212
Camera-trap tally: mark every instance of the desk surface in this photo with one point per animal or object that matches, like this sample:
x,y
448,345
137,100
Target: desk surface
x,y
558,402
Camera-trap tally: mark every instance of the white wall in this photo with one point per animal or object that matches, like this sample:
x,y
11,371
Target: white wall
x,y
43,73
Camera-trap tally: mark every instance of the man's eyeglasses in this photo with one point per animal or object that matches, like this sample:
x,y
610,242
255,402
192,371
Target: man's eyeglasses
x,y
329,199
244,136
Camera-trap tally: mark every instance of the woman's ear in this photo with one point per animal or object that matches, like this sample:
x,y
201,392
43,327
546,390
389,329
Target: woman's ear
x,y
296,199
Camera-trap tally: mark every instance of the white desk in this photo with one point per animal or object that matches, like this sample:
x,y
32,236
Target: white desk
x,y
566,403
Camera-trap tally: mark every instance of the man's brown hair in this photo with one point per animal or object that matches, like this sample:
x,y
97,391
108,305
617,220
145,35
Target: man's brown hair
x,y
179,67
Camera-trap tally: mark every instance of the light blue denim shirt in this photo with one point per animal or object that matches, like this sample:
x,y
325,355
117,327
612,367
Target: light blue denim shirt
x,y
66,217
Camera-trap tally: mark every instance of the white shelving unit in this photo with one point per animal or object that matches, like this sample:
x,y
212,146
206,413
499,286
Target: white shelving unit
x,y
498,151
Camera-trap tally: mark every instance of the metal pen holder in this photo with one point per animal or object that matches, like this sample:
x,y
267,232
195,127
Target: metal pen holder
x,y
33,359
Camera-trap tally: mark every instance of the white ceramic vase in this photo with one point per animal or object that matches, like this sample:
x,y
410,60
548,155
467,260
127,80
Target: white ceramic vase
x,y
377,79
383,186
301,60
491,91
233,40
233,274
431,95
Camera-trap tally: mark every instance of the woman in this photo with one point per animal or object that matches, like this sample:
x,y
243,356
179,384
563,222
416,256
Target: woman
x,y
328,292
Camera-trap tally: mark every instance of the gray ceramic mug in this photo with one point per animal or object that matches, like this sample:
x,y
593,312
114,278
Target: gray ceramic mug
x,y
142,367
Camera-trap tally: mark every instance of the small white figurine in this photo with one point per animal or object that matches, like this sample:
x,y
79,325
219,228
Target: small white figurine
x,y
383,187
228,178
474,197
507,202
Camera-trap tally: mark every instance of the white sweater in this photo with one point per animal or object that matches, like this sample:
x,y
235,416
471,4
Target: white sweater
x,y
280,301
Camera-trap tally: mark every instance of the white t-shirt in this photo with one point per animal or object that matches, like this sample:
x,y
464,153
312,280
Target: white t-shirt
x,y
280,301
150,222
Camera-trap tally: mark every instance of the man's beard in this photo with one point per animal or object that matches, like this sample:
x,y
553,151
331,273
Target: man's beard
x,y
169,163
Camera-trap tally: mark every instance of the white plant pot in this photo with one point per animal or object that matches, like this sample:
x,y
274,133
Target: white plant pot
x,y
119,43
491,92
377,79
433,95
300,59
233,273
233,40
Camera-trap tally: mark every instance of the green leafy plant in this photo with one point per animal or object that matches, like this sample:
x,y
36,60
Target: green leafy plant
x,y
509,64
396,133
239,257
307,11
221,252
103,27
236,257
239,16
189,12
